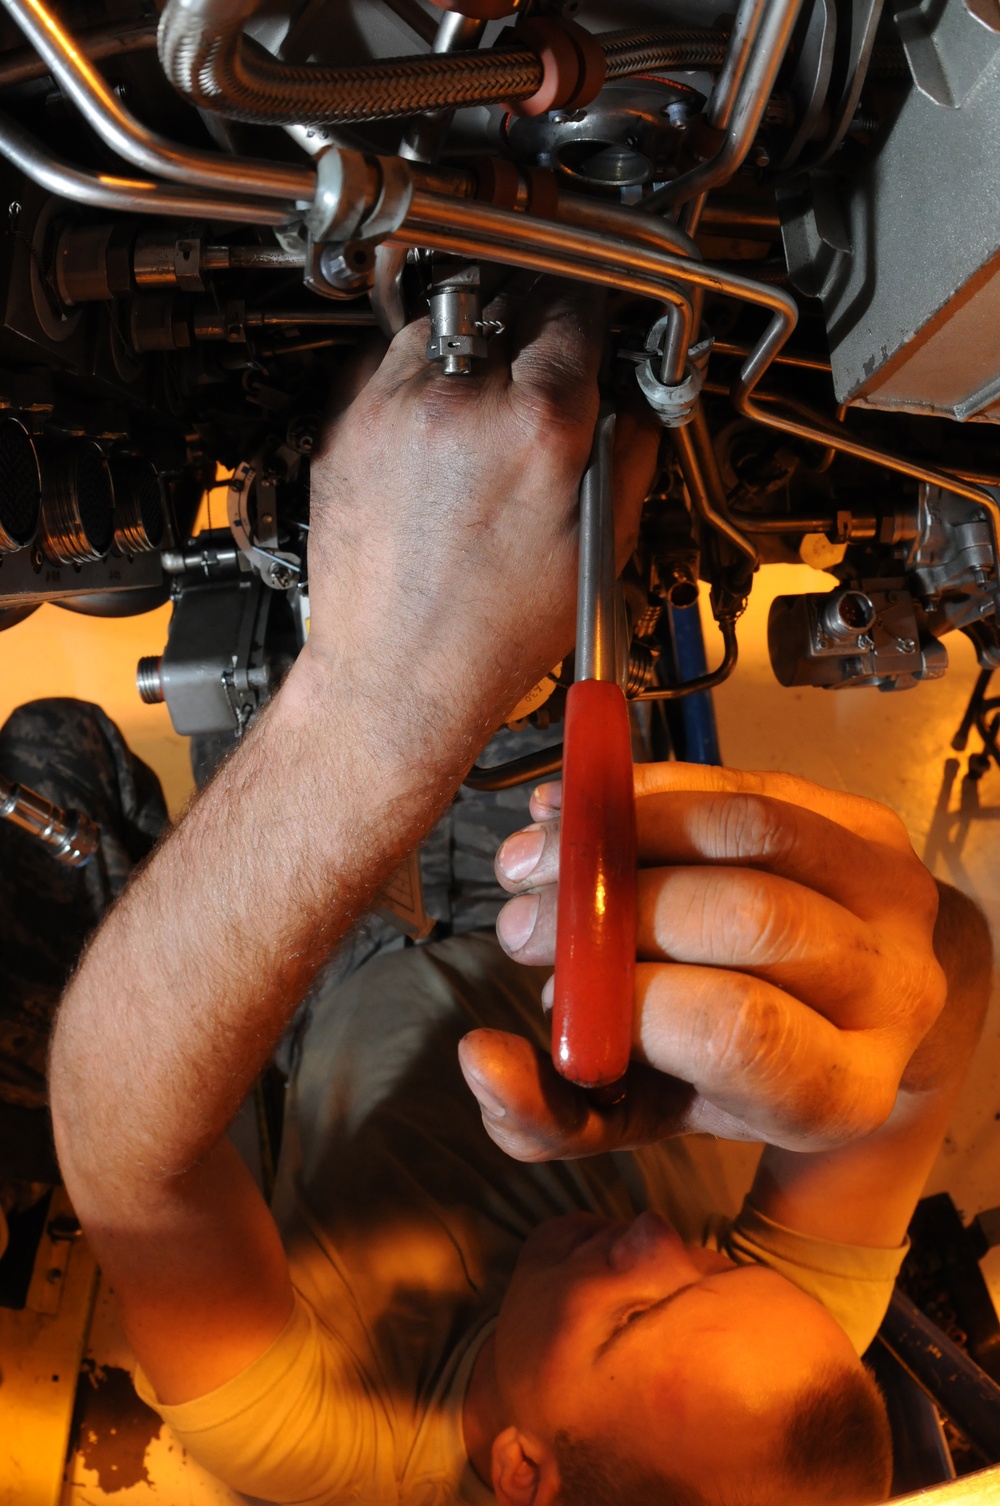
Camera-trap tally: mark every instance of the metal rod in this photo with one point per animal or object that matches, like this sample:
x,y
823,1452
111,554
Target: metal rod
x,y
263,258
131,195
72,837
120,130
596,656
980,1489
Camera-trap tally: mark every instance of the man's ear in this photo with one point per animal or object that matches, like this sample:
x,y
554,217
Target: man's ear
x,y
524,1470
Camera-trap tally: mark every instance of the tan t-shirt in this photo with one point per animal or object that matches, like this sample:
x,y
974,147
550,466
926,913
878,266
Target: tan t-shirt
x,y
403,1221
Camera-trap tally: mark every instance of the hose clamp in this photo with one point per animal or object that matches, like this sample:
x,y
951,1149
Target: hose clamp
x,y
672,403
358,196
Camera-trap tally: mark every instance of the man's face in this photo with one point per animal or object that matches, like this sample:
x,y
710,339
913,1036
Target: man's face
x,y
677,1354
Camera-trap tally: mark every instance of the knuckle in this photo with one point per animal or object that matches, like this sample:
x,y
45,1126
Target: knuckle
x,y
755,827
756,1040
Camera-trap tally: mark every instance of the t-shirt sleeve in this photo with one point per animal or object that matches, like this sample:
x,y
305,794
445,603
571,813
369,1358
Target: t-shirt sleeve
x,y
853,1282
298,1426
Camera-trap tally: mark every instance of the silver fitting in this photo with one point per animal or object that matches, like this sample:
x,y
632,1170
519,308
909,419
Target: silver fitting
x,y
456,323
71,837
358,196
673,404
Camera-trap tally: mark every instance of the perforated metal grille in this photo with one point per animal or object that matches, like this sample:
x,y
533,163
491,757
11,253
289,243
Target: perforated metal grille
x,y
19,484
94,497
149,502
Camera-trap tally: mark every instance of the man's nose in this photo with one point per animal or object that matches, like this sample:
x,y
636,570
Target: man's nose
x,y
648,1238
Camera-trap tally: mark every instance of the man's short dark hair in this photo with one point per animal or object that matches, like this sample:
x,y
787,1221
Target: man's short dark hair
x,y
832,1446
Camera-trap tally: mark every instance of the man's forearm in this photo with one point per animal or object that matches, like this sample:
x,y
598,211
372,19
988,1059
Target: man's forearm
x,y
864,1193
199,967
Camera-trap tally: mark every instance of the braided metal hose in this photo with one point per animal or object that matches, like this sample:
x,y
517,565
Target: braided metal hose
x,y
210,61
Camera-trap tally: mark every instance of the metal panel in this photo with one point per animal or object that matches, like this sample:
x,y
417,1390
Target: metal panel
x,y
906,256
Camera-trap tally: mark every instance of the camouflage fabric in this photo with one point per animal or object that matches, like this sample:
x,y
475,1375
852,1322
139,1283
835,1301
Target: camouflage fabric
x,y
74,755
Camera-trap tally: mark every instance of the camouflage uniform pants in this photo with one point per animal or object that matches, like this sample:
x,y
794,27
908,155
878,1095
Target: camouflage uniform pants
x,y
74,755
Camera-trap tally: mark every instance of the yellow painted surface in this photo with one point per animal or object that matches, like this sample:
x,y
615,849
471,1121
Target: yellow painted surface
x,y
59,653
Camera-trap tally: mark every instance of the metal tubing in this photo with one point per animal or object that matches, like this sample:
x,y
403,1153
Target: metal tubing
x,y
727,627
131,195
805,363
23,64
760,39
422,142
705,487
206,55
504,776
479,230
836,439
119,129
596,657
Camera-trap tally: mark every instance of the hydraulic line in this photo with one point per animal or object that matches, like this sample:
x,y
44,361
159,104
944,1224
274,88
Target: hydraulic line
x,y
119,129
477,230
127,195
22,64
206,56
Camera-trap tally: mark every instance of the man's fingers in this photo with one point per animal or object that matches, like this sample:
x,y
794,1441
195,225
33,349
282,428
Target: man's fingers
x,y
747,830
764,1057
789,936
866,818
796,939
535,1115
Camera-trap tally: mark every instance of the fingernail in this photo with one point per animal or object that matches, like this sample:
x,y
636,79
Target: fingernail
x,y
516,921
549,795
490,1106
520,853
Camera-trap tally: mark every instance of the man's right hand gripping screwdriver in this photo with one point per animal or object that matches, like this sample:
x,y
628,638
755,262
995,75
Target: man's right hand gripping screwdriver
x,y
596,918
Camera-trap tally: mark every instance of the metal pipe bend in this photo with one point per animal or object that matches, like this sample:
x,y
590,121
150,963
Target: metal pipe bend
x,y
66,59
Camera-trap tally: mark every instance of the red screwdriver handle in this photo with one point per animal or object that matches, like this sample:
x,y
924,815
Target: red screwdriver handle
x,y
596,916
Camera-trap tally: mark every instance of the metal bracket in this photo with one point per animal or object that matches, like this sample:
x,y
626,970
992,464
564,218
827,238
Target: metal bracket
x,y
277,568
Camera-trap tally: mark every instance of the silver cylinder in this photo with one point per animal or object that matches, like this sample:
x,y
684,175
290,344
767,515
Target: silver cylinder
x,y
139,513
149,680
71,836
20,486
78,502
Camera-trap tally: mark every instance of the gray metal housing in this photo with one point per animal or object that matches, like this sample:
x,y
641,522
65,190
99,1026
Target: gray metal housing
x,y
906,256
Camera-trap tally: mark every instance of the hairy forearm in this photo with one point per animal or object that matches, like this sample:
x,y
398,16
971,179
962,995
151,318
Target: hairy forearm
x,y
195,973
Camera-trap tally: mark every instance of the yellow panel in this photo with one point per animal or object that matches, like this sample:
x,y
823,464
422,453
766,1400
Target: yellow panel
x,y
59,653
